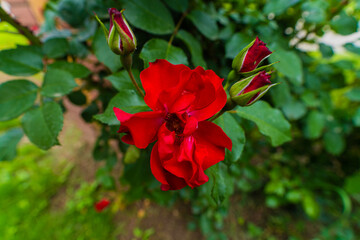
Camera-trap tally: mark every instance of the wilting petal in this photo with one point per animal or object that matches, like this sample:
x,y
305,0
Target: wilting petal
x,y
211,142
141,128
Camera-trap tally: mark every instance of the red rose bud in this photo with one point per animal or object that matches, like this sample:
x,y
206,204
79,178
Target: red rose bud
x,y
247,91
120,37
250,57
101,205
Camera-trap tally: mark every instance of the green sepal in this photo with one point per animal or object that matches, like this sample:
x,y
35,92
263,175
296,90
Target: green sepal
x,y
256,70
106,32
238,60
128,44
243,99
238,87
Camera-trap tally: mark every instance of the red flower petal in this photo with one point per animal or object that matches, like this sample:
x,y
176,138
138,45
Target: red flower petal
x,y
168,180
141,128
101,205
218,98
211,142
159,77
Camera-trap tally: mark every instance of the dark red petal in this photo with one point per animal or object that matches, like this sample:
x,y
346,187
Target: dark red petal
x,y
120,21
141,128
190,126
101,205
168,181
255,55
211,142
260,80
112,11
159,77
174,182
156,165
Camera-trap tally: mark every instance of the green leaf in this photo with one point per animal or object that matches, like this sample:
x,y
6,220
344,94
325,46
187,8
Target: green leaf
x,y
315,11
16,97
77,98
8,143
132,154
294,109
43,124
354,94
156,49
21,61
235,132
326,51
352,184
236,43
205,23
344,24
194,47
334,143
356,118
73,12
103,53
270,121
310,206
315,124
223,184
121,80
290,65
75,69
278,6
128,101
281,94
150,16
56,47
78,49
57,83
352,48
178,5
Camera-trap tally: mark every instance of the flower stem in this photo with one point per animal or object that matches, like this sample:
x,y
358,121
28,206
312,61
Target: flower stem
x,y
213,118
4,16
135,83
177,27
126,61
228,106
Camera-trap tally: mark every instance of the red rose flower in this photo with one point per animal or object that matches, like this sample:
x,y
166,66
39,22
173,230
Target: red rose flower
x,y
181,100
101,205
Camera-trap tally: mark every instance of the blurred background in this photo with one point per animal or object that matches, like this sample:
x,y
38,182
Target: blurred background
x,y
306,186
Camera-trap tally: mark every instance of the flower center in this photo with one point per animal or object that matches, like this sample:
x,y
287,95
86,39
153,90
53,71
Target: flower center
x,y
173,123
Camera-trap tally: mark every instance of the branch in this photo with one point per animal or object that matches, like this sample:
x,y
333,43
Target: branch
x,y
4,16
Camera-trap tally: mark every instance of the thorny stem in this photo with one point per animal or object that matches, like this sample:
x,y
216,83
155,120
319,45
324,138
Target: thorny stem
x,y
4,16
177,27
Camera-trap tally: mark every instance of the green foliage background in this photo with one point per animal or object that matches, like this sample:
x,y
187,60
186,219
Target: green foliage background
x,y
297,150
